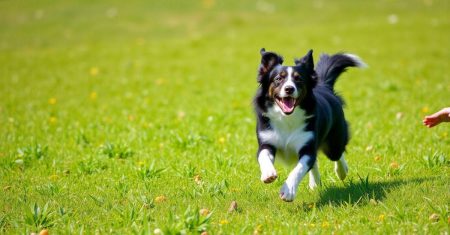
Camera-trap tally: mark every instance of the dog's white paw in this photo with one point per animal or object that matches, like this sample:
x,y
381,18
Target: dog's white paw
x,y
289,188
268,172
268,175
288,191
341,168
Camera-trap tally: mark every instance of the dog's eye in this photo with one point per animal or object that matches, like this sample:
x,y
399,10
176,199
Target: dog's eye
x,y
296,76
280,76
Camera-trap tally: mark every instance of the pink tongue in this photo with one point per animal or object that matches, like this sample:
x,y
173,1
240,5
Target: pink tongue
x,y
288,104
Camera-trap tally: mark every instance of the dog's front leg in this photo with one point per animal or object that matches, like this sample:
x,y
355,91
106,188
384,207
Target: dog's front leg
x,y
289,188
266,158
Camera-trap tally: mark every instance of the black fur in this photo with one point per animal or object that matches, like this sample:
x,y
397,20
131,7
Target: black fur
x,y
330,67
325,109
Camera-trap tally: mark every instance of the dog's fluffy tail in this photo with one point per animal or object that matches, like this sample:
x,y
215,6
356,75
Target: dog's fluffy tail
x,y
330,67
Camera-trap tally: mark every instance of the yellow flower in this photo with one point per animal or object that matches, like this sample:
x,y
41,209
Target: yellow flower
x,y
141,163
52,120
204,212
94,71
381,217
52,101
425,109
207,4
160,199
53,177
93,95
224,221
160,81
222,140
394,165
377,158
258,230
325,224
198,179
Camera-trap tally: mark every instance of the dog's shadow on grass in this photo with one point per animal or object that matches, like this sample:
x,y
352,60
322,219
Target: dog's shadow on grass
x,y
362,191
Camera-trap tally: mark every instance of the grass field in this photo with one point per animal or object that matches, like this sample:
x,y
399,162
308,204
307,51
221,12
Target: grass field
x,y
126,117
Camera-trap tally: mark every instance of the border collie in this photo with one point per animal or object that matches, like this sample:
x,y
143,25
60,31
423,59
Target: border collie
x,y
298,113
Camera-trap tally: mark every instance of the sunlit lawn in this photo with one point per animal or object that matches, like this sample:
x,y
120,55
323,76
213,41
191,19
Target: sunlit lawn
x,y
126,117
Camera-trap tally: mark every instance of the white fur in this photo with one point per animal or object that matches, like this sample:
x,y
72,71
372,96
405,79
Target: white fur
x,y
289,188
287,134
268,172
289,82
314,176
341,168
288,137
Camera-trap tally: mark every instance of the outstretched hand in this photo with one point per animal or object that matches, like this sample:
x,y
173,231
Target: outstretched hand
x,y
434,119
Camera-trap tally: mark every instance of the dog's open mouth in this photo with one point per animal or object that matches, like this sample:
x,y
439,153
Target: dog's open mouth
x,y
287,104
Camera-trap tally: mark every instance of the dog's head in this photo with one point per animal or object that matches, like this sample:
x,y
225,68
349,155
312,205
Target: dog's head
x,y
287,86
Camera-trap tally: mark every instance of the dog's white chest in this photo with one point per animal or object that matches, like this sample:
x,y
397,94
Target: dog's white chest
x,y
287,134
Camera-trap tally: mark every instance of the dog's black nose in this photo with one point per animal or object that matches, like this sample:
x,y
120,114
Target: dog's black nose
x,y
289,90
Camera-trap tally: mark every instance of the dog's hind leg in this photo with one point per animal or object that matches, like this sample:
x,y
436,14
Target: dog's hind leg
x,y
341,168
314,176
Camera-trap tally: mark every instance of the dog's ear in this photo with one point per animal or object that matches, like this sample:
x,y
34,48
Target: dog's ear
x,y
268,61
307,61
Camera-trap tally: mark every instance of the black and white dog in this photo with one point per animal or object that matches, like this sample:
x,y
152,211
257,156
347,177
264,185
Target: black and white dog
x,y
299,113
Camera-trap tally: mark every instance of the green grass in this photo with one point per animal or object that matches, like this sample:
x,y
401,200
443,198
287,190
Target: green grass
x,y
124,117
